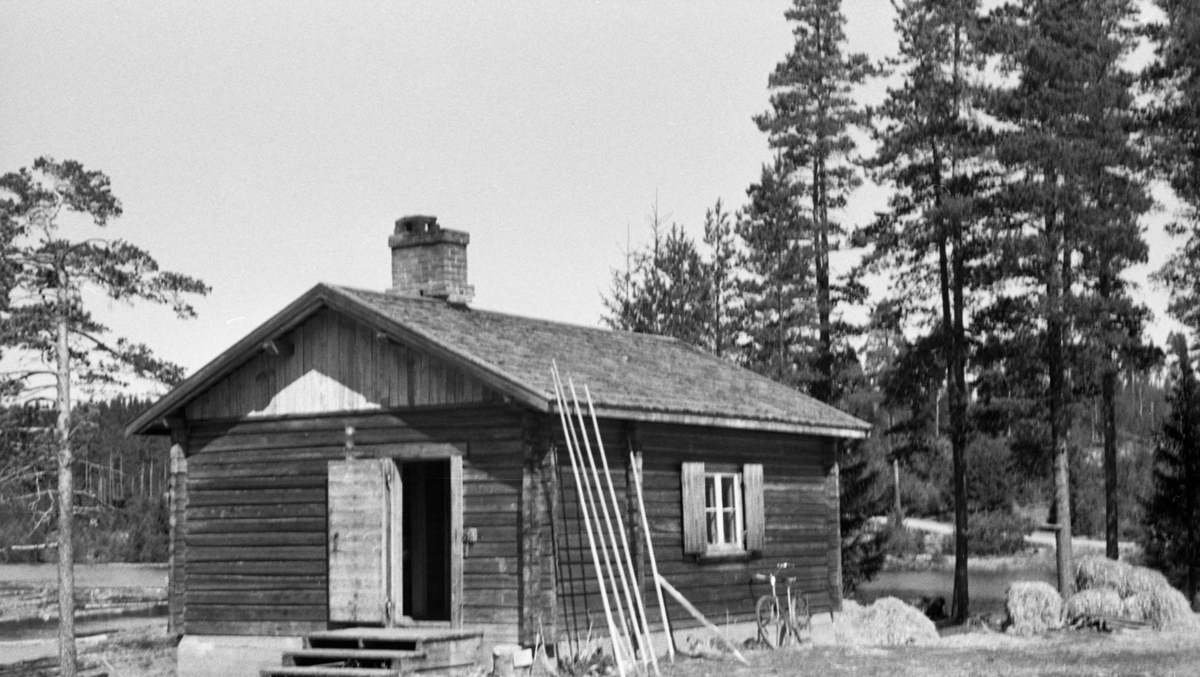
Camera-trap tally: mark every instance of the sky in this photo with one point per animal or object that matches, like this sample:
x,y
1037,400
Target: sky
x,y
265,147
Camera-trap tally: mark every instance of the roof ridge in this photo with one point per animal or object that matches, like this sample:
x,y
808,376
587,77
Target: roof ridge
x,y
524,318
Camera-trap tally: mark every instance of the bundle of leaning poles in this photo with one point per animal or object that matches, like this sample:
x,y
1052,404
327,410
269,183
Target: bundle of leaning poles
x,y
612,558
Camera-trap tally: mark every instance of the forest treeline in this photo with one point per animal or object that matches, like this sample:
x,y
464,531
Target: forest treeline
x,y
1005,363
121,485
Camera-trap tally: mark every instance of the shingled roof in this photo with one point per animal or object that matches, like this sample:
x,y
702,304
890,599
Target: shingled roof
x,y
630,376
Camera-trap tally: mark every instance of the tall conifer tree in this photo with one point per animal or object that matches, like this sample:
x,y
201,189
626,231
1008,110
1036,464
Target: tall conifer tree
x,y
810,121
778,287
1172,534
1175,130
1070,193
929,150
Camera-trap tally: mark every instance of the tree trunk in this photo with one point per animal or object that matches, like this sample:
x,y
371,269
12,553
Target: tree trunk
x,y
1111,524
1056,267
1108,389
958,426
66,495
823,389
898,509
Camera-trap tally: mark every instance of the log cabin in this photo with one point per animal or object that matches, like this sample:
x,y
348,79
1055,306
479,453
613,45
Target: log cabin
x,y
394,459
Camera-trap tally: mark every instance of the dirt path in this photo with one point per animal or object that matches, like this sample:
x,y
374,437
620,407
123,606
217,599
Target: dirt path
x,y
1039,538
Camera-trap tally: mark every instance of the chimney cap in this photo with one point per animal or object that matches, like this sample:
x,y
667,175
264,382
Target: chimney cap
x,y
418,230
416,223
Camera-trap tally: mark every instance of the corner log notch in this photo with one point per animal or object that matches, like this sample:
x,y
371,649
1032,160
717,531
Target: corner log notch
x,y
539,608
177,545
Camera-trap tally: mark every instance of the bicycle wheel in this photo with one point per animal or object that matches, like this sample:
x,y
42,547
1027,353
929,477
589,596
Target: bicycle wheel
x,y
770,620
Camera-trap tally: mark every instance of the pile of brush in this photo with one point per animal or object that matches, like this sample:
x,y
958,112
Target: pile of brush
x,y
887,622
1110,589
1033,608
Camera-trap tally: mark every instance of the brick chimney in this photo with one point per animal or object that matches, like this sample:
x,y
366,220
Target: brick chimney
x,y
430,261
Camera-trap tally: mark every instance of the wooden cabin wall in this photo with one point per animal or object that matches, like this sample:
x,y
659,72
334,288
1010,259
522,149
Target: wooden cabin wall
x,y
797,516
580,606
333,363
255,523
800,511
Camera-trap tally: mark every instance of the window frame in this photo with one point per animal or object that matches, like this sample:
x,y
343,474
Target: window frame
x,y
749,511
719,542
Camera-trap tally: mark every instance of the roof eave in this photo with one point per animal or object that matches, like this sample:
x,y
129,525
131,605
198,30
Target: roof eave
x,y
685,418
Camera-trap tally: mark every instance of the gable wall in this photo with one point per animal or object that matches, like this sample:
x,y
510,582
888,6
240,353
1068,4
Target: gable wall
x,y
336,364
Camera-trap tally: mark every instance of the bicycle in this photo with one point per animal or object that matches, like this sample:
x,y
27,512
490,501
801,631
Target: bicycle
x,y
775,627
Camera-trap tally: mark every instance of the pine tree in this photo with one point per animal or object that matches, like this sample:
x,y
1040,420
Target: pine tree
x,y
810,122
1175,132
930,150
777,288
1069,194
1172,534
45,318
664,289
721,240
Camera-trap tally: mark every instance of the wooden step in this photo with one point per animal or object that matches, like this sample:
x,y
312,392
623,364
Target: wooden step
x,y
442,647
328,671
410,634
390,657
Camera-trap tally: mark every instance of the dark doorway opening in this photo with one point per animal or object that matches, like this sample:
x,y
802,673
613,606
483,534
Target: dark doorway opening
x,y
426,540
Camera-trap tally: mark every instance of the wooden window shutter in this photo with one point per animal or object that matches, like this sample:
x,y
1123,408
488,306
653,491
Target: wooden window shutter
x,y
695,538
754,507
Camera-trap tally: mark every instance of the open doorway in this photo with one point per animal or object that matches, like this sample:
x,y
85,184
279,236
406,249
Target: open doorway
x,y
426,540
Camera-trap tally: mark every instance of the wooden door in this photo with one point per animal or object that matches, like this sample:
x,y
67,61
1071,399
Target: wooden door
x,y
364,541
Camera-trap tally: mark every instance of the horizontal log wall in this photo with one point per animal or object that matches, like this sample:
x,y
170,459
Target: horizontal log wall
x,y
797,514
580,607
256,516
332,363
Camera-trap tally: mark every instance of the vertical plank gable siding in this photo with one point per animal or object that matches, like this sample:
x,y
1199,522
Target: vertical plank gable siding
x,y
796,518
257,561
336,364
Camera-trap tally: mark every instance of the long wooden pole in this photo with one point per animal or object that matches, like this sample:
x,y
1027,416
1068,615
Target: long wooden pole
x,y
644,637
568,434
598,504
662,605
700,617
615,553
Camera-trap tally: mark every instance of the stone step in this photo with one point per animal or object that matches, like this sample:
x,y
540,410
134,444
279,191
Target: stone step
x,y
391,658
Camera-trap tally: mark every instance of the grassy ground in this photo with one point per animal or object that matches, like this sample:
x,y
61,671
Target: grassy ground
x,y
151,653
1066,654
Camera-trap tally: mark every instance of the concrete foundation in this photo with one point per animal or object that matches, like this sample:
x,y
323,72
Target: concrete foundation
x,y
231,655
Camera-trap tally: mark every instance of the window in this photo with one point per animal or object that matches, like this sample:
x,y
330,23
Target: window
x,y
723,512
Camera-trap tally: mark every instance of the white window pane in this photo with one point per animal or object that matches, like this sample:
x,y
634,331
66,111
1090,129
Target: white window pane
x,y
711,518
727,489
